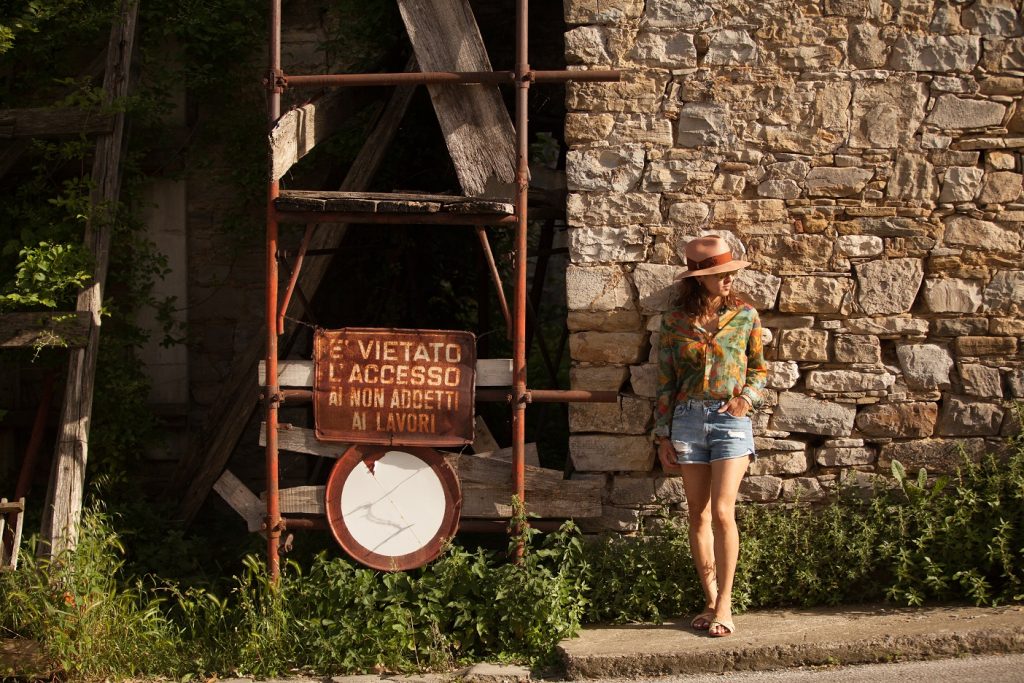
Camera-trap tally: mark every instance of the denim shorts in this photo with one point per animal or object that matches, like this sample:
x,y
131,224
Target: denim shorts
x,y
700,434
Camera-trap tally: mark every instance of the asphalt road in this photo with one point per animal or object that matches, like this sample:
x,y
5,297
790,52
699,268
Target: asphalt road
x,y
990,669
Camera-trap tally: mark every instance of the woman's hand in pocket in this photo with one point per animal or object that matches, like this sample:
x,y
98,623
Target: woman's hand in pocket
x,y
737,407
667,457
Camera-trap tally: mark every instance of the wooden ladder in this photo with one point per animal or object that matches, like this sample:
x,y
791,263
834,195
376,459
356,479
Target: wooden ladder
x,y
12,519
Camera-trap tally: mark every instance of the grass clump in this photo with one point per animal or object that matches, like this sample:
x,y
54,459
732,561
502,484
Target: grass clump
x,y
917,540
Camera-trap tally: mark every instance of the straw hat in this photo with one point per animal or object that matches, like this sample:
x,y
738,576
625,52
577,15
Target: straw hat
x,y
709,255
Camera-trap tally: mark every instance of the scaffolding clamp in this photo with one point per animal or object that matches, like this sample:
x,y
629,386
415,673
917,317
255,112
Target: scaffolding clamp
x,y
275,81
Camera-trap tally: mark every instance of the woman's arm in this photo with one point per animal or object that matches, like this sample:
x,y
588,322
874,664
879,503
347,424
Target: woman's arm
x,y
757,369
667,381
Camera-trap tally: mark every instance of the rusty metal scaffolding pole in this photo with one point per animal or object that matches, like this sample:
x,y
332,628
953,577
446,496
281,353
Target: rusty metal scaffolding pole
x,y
272,392
522,71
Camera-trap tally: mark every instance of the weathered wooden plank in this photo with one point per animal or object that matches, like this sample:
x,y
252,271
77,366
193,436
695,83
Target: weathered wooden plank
x,y
22,330
298,131
301,440
63,508
380,202
490,372
241,499
54,122
209,452
548,499
16,510
300,500
530,455
473,118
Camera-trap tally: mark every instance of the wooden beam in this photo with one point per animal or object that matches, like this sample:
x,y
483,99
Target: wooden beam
x,y
473,118
41,122
208,454
298,131
294,374
487,494
531,455
63,508
25,330
241,499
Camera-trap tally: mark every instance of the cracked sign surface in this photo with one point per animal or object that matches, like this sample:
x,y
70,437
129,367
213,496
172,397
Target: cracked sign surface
x,y
392,508
391,386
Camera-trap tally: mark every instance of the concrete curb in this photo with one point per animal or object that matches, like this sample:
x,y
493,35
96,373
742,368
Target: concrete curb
x,y
775,640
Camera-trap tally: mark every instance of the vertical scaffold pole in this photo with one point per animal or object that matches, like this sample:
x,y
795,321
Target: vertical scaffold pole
x,y
522,75
273,393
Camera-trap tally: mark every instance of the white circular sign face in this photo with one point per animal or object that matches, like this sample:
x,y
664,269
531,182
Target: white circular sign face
x,y
394,505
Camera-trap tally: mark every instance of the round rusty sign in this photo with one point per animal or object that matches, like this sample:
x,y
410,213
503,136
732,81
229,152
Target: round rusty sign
x,y
393,507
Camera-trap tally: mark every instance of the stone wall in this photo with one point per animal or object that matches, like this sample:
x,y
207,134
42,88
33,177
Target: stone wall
x,y
867,155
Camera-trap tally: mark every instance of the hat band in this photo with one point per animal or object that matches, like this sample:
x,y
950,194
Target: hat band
x,y
709,262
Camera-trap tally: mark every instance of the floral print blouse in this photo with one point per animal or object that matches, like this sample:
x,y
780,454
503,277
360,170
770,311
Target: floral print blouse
x,y
695,364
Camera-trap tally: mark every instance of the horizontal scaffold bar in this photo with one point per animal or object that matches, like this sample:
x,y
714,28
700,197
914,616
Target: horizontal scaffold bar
x,y
394,218
434,77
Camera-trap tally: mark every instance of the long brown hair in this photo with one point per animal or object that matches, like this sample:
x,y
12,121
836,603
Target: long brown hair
x,y
696,302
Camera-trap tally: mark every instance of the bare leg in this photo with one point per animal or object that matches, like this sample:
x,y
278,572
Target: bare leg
x,y
726,476
697,486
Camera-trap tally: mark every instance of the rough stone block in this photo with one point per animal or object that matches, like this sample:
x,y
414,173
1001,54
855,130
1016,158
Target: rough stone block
x,y
632,491
981,380
888,286
966,416
952,295
607,244
644,379
986,346
803,489
612,208
826,181
961,184
602,11
955,112
963,231
759,288
782,374
607,453
689,214
790,253
621,320
618,348
657,286
1000,187
993,17
1005,293
626,416
760,489
787,462
935,53
859,246
960,327
898,420
814,294
670,49
856,348
603,168
925,366
703,124
803,344
895,326
583,128
831,456
586,45
799,413
848,381
886,113
935,455
678,15
614,519
731,47
597,288
912,179
598,377
742,212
